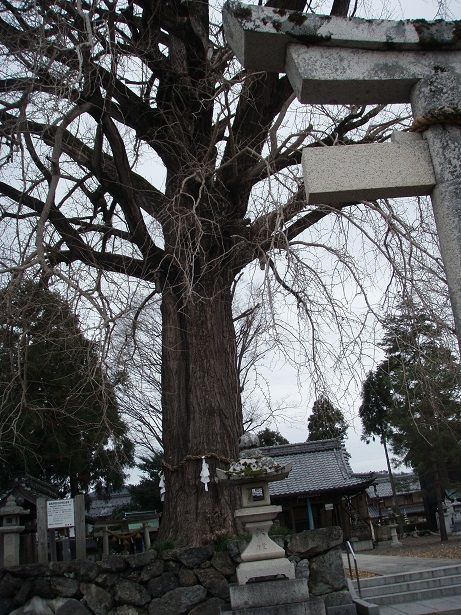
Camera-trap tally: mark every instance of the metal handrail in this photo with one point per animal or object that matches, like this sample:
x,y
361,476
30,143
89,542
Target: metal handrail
x,y
351,550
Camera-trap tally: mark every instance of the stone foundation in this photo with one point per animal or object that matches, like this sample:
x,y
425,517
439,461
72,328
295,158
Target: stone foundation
x,y
192,581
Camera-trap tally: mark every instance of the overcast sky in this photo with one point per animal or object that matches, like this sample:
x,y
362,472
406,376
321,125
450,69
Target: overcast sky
x,y
411,9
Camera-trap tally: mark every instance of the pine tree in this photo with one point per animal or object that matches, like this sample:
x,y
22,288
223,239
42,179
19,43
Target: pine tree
x,y
66,427
326,421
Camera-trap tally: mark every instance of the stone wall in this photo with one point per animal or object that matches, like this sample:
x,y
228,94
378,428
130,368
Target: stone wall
x,y
193,581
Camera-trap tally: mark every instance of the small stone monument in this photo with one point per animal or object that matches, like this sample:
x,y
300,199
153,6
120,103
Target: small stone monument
x,y
11,530
395,542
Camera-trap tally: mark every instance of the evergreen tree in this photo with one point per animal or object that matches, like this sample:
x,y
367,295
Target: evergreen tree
x,y
413,399
66,427
146,494
326,421
375,413
269,437
376,404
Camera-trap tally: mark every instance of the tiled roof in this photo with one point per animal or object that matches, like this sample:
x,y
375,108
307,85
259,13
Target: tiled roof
x,y
105,506
318,467
373,512
404,483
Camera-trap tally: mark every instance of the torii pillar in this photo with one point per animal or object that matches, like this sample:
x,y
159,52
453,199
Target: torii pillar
x,y
334,60
431,96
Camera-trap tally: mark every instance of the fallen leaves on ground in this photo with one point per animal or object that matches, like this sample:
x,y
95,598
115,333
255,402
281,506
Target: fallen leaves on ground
x,y
363,574
424,546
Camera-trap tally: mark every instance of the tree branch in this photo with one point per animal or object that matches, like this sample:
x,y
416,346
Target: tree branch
x,y
151,200
79,250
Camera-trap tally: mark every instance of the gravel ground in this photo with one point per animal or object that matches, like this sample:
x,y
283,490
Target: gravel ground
x,y
423,546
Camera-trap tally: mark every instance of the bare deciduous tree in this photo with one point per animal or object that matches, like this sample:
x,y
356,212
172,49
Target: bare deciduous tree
x,y
98,95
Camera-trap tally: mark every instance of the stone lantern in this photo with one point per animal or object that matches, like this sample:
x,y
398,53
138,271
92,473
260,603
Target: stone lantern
x,y
262,558
11,528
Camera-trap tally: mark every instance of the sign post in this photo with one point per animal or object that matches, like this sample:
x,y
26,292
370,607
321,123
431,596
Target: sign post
x,y
60,514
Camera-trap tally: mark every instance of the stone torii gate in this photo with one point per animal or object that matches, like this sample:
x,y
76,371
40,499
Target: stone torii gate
x,y
335,60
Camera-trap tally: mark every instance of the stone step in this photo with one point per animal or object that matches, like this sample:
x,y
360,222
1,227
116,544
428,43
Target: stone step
x,y
300,608
417,596
411,586
405,577
314,605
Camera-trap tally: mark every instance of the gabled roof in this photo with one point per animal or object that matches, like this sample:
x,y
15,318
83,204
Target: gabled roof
x,y
319,466
105,505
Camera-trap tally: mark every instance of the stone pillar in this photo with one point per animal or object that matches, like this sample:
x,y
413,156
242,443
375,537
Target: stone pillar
x,y
52,543
66,552
80,526
146,536
105,542
11,530
42,531
434,99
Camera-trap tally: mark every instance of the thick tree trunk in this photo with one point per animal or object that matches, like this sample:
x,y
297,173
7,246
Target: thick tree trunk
x,y
201,412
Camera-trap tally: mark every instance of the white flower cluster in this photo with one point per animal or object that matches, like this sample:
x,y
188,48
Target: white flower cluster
x,y
252,466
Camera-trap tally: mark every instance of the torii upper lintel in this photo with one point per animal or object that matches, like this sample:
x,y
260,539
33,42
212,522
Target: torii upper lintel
x,y
259,35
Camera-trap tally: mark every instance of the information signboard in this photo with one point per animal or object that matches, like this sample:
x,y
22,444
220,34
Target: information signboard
x,y
60,513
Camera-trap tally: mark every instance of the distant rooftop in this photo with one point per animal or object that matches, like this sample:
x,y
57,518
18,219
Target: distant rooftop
x,y
106,505
319,466
404,483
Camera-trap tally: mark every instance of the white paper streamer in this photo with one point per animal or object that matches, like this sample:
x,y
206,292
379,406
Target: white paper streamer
x,y
205,474
161,484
